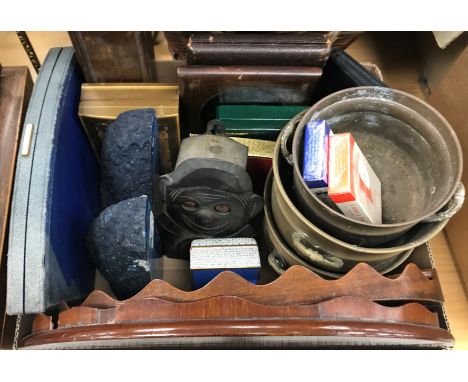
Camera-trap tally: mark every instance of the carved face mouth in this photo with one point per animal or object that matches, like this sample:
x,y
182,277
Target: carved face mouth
x,y
193,225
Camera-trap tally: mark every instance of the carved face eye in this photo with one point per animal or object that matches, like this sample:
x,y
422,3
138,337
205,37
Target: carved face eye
x,y
190,205
222,208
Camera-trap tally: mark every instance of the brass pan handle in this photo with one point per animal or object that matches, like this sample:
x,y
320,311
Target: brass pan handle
x,y
277,262
453,206
312,255
286,134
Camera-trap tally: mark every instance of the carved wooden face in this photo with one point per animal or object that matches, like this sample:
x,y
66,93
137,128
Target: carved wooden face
x,y
212,212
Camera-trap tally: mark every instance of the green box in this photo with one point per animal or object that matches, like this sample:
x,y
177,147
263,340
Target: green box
x,y
256,121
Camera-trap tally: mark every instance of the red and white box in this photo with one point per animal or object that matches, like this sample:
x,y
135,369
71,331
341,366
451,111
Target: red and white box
x,y
352,183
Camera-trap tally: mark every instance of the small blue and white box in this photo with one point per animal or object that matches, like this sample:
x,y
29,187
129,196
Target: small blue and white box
x,y
315,169
209,257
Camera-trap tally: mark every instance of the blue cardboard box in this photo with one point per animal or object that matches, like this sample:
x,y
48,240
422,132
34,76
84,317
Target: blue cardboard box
x,y
315,168
209,257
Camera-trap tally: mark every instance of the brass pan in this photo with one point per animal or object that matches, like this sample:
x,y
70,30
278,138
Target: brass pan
x,y
282,257
318,247
413,150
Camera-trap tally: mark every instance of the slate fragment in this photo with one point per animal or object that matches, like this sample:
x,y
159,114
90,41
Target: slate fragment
x,y
121,242
130,156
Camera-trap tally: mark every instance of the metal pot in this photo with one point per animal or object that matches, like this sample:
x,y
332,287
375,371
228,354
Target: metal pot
x,y
318,247
412,149
282,257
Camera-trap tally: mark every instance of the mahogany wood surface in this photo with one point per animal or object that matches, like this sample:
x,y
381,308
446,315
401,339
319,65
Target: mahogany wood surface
x,y
298,285
267,333
234,308
202,88
15,91
116,56
230,48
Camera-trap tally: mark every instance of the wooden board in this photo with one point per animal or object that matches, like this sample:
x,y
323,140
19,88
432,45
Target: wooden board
x,y
355,320
297,286
15,90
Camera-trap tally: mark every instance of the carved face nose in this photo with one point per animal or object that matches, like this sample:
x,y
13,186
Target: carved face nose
x,y
205,216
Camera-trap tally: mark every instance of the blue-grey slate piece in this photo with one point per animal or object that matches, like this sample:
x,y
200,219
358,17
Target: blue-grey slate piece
x,y
63,197
19,207
130,156
122,243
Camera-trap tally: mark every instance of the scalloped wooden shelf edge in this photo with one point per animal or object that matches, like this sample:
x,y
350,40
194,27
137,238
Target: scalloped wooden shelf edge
x,y
298,285
344,321
153,309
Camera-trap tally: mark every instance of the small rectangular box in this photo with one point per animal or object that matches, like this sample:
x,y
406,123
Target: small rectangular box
x,y
256,121
209,257
315,167
353,185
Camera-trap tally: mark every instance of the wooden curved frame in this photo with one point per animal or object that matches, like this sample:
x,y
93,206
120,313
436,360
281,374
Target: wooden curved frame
x,y
152,309
298,285
269,333
299,309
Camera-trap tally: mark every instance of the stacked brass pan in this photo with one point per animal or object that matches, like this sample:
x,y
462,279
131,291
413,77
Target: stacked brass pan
x,y
330,244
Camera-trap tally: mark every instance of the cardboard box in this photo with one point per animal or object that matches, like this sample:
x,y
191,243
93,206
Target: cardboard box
x,y
352,183
210,257
421,257
316,150
447,75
